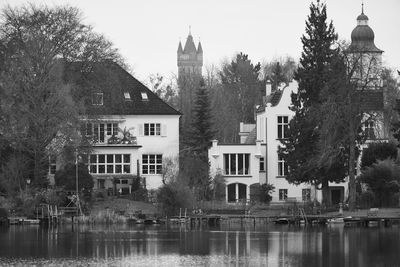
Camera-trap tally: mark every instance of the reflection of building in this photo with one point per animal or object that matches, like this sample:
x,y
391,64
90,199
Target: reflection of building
x,y
256,161
131,130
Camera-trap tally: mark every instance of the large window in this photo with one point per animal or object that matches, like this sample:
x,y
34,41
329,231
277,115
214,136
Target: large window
x,y
237,164
306,194
283,194
110,163
151,129
97,99
282,166
283,127
100,130
152,164
369,130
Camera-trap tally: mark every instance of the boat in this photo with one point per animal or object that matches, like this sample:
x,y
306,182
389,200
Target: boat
x,y
282,221
338,220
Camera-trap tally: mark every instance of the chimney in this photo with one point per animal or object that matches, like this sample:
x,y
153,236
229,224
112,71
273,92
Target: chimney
x,y
268,88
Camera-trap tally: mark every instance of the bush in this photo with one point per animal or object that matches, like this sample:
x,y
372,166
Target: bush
x,y
383,179
218,187
266,192
173,196
66,178
378,151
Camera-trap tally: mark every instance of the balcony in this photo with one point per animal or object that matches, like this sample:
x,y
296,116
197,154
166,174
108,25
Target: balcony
x,y
113,141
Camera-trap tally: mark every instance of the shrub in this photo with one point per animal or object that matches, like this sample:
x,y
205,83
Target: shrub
x,y
266,192
173,196
218,187
378,151
66,178
382,178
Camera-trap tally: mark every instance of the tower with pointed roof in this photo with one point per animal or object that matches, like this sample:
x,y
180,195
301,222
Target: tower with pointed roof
x,y
190,63
190,58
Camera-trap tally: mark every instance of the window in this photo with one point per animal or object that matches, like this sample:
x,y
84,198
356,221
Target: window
x,y
110,163
100,130
306,194
283,127
237,164
282,167
152,164
262,164
127,96
97,99
283,194
144,96
152,129
369,130
52,164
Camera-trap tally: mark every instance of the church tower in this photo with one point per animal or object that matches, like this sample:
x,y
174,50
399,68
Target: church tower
x,y
190,63
364,54
190,59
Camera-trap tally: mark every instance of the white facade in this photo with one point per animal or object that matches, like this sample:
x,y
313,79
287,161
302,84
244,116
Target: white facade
x,y
164,143
271,122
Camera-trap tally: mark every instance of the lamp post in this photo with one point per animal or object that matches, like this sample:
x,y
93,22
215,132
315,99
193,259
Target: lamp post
x,y
77,180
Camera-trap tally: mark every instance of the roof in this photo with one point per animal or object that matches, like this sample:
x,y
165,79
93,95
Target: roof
x,y
274,99
113,82
362,37
199,48
189,45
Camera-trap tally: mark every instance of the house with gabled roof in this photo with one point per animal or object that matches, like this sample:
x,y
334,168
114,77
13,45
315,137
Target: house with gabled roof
x,y
130,129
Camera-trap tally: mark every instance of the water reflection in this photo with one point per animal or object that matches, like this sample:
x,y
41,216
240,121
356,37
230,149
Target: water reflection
x,y
173,246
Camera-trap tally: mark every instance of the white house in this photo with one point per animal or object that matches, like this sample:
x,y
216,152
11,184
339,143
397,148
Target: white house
x,y
256,159
131,130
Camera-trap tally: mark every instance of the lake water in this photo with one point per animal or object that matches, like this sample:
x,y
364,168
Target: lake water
x,y
269,245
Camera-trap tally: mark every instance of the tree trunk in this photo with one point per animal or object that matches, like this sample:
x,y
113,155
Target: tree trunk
x,y
352,155
326,200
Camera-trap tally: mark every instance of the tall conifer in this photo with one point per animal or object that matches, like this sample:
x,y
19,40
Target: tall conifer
x,y
301,148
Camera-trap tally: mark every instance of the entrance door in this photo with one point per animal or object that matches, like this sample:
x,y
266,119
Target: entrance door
x,y
337,195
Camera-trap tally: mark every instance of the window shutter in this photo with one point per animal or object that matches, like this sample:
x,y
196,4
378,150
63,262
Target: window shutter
x,y
140,129
163,130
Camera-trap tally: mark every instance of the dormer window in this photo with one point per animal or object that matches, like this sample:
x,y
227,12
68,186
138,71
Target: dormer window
x,y
97,99
127,96
144,96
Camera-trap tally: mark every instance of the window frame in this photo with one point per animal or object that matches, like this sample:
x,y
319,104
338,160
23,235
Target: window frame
x,y
262,164
97,96
282,126
152,129
233,169
283,194
152,164
100,164
306,197
283,169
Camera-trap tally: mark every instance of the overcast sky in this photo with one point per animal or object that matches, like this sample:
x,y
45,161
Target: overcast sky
x,y
147,32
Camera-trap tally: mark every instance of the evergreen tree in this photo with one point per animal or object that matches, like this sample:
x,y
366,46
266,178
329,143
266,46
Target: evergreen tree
x,y
195,160
301,148
237,97
201,131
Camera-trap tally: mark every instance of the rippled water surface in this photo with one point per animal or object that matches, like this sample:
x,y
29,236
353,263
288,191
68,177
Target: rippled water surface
x,y
268,245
